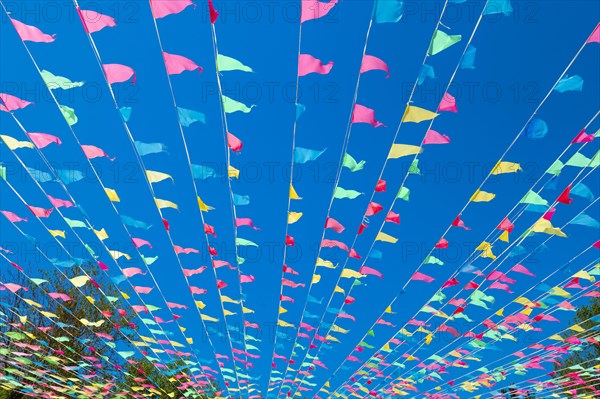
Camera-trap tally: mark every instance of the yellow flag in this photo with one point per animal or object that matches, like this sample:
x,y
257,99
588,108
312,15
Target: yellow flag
x,y
57,233
156,177
200,304
349,273
486,247
293,217
482,196
504,236
206,317
389,309
506,167
339,289
79,281
385,238
203,206
101,234
282,310
282,323
500,312
13,143
545,226
403,150
233,172
325,263
226,299
293,194
585,275
161,204
88,323
316,278
112,194
190,341
417,114
247,310
117,254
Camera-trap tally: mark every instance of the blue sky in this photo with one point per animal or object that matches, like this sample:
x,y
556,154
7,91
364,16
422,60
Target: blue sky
x,y
518,60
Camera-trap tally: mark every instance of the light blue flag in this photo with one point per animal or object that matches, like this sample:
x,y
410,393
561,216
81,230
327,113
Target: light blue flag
x,y
303,155
571,83
39,176
581,190
388,11
203,172
149,148
69,176
126,113
497,7
585,220
189,116
240,200
427,71
300,108
131,222
468,60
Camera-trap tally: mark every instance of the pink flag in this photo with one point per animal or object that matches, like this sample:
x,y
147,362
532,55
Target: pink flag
x,y
208,229
433,137
595,37
313,9
213,13
583,137
173,305
372,63
181,250
221,284
418,276
220,263
40,212
246,278
500,286
369,270
58,295
132,271
290,283
506,225
373,209
309,64
245,222
176,64
42,140
31,33
442,243
57,203
138,242
498,275
162,8
142,290
15,287
94,22
363,114
10,103
448,103
334,243
234,143
333,224
450,283
13,217
287,269
284,298
191,272
196,290
521,269
459,223
117,73
393,218
92,152
381,186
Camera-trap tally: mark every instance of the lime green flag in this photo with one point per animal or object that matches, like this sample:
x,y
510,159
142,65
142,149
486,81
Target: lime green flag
x,y
441,41
350,163
58,82
68,114
225,63
230,105
341,193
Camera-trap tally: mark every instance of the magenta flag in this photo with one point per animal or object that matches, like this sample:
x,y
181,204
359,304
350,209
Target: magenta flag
x,y
10,103
245,222
42,140
333,224
191,272
92,152
418,276
372,63
448,103
177,64
309,64
369,270
314,9
57,203
234,143
94,21
40,212
364,114
13,217
138,242
595,36
433,137
162,8
31,33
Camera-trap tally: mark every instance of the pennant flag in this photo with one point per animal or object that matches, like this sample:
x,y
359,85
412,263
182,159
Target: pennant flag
x,y
448,103
212,12
314,9
13,217
350,163
94,21
583,137
230,106
177,64
189,116
536,129
234,143
372,63
11,103
15,144
418,276
403,150
497,7
426,71
468,60
156,177
117,73
303,155
595,36
441,41
333,224
308,64
161,8
416,114
149,148
388,11
225,63
571,83
341,193
57,203
58,82
433,137
506,167
482,196
363,114
92,152
31,33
